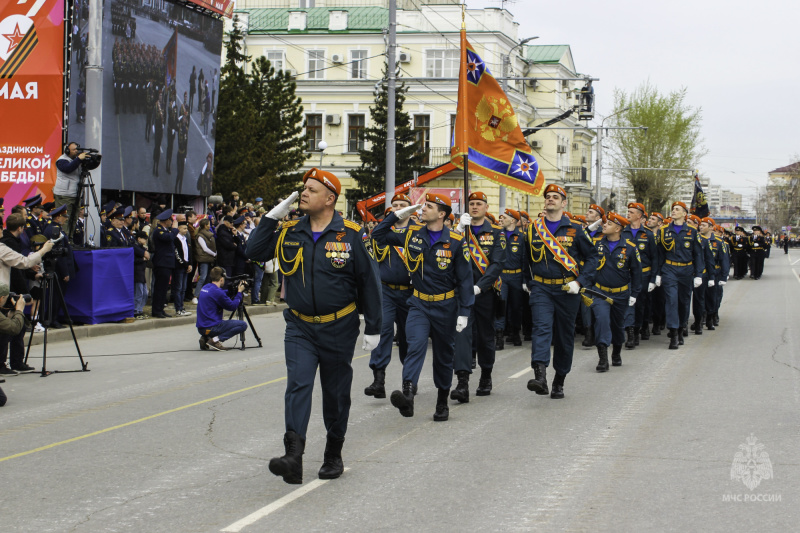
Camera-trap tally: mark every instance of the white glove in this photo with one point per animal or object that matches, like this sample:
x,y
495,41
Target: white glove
x,y
283,208
461,323
464,221
407,212
651,287
477,290
711,283
722,283
573,287
631,301
596,224
370,342
658,281
526,288
698,282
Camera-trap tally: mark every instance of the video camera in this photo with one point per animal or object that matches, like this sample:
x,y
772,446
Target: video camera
x,y
233,283
92,159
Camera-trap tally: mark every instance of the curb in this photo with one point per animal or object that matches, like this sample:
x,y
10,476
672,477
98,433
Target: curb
x,y
100,330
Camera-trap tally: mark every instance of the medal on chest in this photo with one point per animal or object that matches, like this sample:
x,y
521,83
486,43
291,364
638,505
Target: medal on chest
x,y
443,258
621,259
338,252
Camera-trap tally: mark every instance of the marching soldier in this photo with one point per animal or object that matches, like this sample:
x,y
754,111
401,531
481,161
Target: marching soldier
x,y
656,313
172,126
680,266
158,124
758,250
594,214
714,271
330,275
396,291
619,278
721,273
438,260
486,244
554,247
183,141
511,287
636,326
739,247
700,294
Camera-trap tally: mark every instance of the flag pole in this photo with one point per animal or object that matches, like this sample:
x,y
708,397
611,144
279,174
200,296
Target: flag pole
x,y
462,104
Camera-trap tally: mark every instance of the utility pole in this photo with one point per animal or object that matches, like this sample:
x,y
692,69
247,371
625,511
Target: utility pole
x,y
391,141
94,102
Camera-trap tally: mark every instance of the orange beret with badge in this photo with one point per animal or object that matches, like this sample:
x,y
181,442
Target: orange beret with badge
x,y
555,188
326,178
694,218
637,205
401,198
708,220
491,217
524,214
618,219
658,215
513,214
683,205
479,196
599,209
580,218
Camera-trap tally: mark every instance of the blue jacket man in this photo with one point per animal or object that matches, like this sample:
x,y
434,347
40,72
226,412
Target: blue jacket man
x,y
329,271
555,246
443,295
213,300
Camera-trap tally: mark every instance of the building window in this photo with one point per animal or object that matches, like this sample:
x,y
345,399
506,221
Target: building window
x,y
358,64
307,3
275,57
441,63
316,64
356,125
422,129
453,130
313,131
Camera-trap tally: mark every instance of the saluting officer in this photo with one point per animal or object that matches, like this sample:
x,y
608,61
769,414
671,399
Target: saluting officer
x,y
330,275
619,277
680,267
635,324
487,245
699,294
443,295
511,288
396,290
554,249
594,214
163,261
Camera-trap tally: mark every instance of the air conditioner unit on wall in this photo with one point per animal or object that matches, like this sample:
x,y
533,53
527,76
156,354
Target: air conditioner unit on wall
x,y
575,146
337,58
561,149
333,120
404,57
536,145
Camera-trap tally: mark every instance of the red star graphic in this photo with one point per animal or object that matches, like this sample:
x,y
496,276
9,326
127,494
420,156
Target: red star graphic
x,y
14,38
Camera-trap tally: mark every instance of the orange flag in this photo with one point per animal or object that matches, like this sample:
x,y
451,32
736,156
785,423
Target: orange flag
x,y
487,129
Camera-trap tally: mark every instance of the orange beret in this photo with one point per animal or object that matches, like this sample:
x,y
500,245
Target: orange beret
x,y
708,220
326,178
580,218
598,209
555,188
694,218
452,217
637,205
524,214
387,211
657,214
491,217
512,213
401,198
683,205
438,199
622,221
478,196
568,214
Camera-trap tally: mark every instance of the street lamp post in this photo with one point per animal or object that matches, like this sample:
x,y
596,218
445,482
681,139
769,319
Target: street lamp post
x,y
600,154
322,145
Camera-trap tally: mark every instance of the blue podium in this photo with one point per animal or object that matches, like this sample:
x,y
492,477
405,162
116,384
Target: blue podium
x,y
102,290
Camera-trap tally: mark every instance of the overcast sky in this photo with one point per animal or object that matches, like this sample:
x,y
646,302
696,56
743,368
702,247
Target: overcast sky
x,y
740,62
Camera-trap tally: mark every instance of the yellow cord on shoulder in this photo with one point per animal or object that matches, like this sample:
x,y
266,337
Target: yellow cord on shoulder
x,y
296,261
664,242
416,260
381,253
539,250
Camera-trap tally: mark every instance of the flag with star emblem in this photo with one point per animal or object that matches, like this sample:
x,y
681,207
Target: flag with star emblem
x,y
699,205
487,130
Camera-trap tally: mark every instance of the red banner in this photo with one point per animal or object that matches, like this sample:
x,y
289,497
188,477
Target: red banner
x,y
31,96
223,7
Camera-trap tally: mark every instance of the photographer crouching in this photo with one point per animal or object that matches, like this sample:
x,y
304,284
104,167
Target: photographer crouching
x,y
214,330
11,325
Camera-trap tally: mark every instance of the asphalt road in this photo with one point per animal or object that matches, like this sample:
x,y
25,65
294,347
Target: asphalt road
x,y
161,437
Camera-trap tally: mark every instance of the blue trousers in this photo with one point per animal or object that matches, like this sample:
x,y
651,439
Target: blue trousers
x,y
258,278
202,275
225,329
330,347
677,285
553,312
139,297
395,311
478,335
436,320
609,320
699,296
179,276
634,316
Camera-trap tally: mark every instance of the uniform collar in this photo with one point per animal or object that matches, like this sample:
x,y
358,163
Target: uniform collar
x,y
444,237
685,227
336,224
486,227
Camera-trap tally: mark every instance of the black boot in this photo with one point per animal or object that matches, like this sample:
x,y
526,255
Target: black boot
x,y
588,340
290,466
461,392
684,332
558,387
645,331
681,333
656,329
602,352
404,400
709,323
616,355
485,383
474,360
515,339
636,336
539,382
673,339
526,336
499,340
442,411
716,319
332,465
378,388
629,342
697,327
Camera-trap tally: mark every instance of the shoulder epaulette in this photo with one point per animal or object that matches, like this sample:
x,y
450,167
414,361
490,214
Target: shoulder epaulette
x,y
456,235
289,224
352,225
664,226
630,242
416,227
495,226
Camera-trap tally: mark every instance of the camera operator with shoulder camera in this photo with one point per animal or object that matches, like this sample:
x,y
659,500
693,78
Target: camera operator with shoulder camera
x,y
214,330
68,178
12,324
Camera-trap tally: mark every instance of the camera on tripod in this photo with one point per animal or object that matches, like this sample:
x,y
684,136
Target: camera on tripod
x,y
233,283
92,159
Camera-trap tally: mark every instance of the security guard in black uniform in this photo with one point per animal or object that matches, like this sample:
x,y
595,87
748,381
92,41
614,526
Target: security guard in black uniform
x,y
511,278
487,245
163,261
330,275
554,248
443,295
758,250
740,245
636,326
619,278
396,290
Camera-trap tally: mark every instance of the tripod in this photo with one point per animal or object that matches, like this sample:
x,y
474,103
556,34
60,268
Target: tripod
x,y
85,188
241,314
50,284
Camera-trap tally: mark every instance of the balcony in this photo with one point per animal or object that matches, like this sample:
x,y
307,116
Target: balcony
x,y
437,156
576,175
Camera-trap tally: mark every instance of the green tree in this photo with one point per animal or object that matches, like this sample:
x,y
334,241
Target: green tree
x,y
260,146
371,175
672,141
